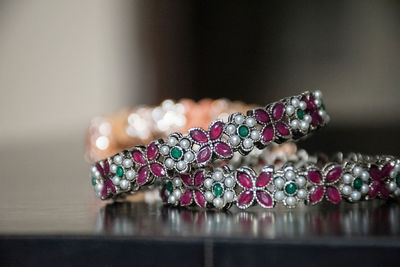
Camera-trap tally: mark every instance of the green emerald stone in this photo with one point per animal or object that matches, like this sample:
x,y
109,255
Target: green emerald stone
x,y
291,188
357,184
93,180
300,114
217,190
398,179
323,106
169,186
176,152
243,131
120,171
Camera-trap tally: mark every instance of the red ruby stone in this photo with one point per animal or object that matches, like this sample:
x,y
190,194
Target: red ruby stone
x,y
106,167
157,169
138,157
199,178
268,134
263,179
198,135
152,151
333,194
186,198
310,103
264,198
108,188
316,119
282,129
334,174
387,169
277,111
262,116
143,174
317,193
204,154
245,198
315,176
200,199
216,130
245,180
100,169
223,149
186,179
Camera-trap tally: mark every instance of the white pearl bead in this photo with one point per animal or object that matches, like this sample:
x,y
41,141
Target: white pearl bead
x,y
290,201
318,102
98,194
171,199
181,165
301,181
289,110
113,168
169,163
347,190
322,113
318,94
185,143
130,175
98,187
239,118
234,140
189,156
302,105
229,182
209,196
217,176
177,193
290,175
365,176
392,186
247,143
118,159
355,195
250,121
304,125
127,163
347,178
172,141
302,193
327,118
357,171
397,192
255,135
397,167
208,183
279,182
218,202
93,170
164,150
230,129
97,174
116,180
364,188
295,102
393,174
124,184
279,195
177,181
228,196
295,124
307,118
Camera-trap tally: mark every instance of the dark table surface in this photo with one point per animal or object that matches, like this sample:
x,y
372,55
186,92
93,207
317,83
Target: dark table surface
x,y
49,216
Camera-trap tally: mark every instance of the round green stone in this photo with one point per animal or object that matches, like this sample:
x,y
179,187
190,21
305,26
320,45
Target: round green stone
x,y
300,114
176,152
398,179
169,186
323,106
120,171
243,131
357,184
291,188
93,180
218,190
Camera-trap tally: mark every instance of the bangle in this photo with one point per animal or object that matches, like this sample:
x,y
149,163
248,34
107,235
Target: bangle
x,y
353,179
288,119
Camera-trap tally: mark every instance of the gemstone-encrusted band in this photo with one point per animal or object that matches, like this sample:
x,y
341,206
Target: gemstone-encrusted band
x,y
353,179
286,120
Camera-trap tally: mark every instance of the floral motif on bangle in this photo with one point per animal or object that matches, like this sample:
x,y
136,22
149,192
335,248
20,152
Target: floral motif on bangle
x,y
210,142
171,191
307,110
355,183
274,127
149,168
379,177
394,184
242,132
324,185
254,187
104,187
219,188
123,171
289,187
191,193
177,153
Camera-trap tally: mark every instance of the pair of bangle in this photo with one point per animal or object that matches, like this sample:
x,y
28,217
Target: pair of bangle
x,y
198,169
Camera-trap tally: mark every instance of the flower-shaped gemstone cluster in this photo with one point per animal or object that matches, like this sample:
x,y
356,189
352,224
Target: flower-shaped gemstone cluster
x,y
290,186
242,132
219,188
394,184
380,178
355,183
123,171
103,185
